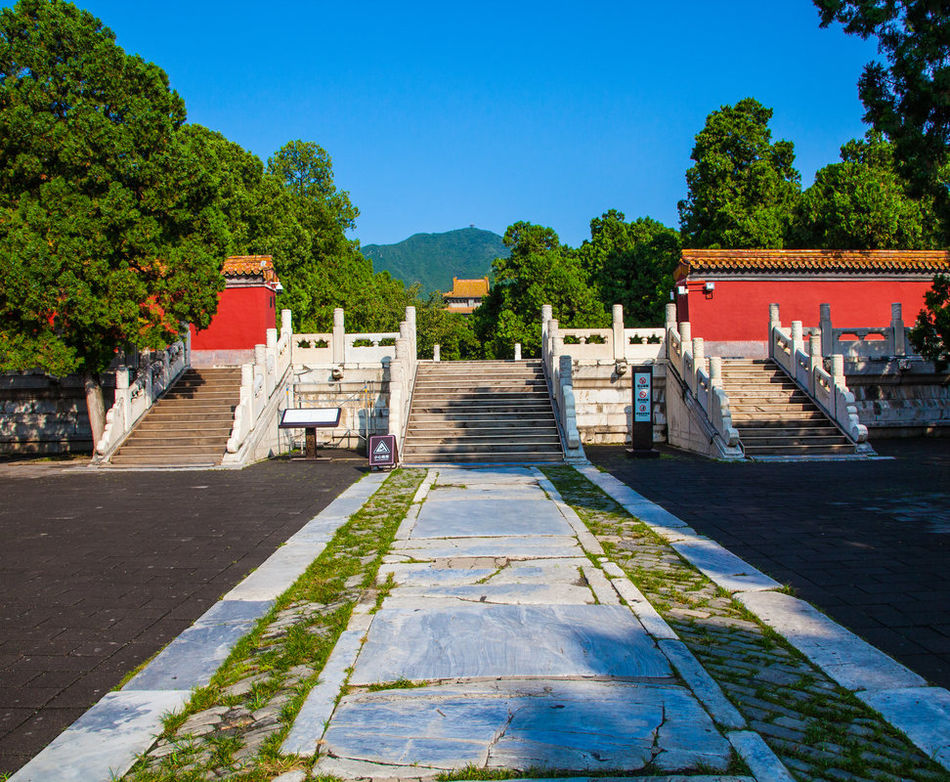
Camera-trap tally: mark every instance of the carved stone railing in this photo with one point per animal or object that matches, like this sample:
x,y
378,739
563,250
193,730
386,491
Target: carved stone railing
x,y
806,367
340,348
702,376
558,370
864,342
260,382
134,399
402,377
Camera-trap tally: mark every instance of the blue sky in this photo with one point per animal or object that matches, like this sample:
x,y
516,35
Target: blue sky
x,y
441,115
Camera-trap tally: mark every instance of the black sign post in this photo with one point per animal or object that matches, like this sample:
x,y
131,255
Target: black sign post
x,y
642,434
382,451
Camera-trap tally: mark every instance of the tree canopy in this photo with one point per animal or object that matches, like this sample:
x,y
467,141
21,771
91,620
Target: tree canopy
x,y
108,231
908,99
743,190
931,332
632,264
540,270
863,203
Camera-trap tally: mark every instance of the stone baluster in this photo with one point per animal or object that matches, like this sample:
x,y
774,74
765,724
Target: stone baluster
x,y
837,369
814,361
715,371
827,331
285,322
437,352
670,322
517,351
557,341
339,337
797,342
898,346
617,332
686,333
411,322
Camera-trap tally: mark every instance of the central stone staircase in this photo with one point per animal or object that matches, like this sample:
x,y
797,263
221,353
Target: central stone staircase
x,y
774,416
189,425
481,411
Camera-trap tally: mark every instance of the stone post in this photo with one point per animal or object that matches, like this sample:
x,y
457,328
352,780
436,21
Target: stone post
x,y
814,351
247,377
436,352
271,339
286,326
797,341
187,347
260,359
411,321
517,351
715,371
557,341
546,314
686,333
122,394
898,346
699,353
339,337
670,322
837,369
827,332
617,325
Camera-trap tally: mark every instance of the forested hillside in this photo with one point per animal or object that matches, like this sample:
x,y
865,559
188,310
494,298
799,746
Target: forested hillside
x,y
434,259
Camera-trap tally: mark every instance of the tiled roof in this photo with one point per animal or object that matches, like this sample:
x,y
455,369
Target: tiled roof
x,y
251,266
468,289
805,261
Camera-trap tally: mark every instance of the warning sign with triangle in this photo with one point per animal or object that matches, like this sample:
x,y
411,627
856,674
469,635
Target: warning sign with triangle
x,y
382,450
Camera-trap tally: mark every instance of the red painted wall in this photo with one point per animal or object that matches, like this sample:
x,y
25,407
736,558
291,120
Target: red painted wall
x,y
242,320
739,309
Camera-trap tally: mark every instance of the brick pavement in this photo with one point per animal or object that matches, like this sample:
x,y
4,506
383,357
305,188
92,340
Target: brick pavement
x,y
867,542
99,570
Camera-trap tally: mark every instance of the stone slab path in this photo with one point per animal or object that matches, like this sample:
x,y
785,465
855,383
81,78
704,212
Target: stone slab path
x,y
501,644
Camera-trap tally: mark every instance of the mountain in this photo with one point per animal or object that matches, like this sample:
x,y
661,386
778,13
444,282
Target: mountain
x,y
434,259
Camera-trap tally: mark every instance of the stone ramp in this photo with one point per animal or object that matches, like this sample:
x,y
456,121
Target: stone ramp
x,y
502,645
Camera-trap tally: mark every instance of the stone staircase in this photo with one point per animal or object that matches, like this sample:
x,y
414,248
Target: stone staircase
x,y
481,411
774,417
188,426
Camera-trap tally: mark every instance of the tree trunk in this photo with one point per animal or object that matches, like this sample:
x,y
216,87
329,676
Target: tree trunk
x,y
95,406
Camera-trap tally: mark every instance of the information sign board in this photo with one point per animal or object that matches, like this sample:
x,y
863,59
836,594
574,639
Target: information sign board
x,y
642,435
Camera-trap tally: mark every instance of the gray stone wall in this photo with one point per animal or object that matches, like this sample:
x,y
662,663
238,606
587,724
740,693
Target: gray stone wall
x,y
46,415
895,405
604,402
362,393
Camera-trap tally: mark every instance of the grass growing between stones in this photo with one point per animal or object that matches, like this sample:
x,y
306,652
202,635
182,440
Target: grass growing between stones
x,y
234,727
818,729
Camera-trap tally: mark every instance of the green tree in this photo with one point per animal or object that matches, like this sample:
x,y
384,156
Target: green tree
x,y
539,271
908,99
452,331
632,264
108,236
863,203
931,333
743,189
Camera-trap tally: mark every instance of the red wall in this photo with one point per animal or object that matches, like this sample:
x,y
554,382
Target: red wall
x,y
739,309
242,320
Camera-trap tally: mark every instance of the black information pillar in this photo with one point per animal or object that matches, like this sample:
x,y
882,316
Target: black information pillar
x,y
642,436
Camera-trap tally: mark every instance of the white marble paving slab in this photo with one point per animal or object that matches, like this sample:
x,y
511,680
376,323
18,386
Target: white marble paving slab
x,y
723,567
312,719
649,617
104,742
512,594
482,491
601,587
702,684
846,658
509,547
472,476
759,757
503,640
543,571
489,518
922,713
277,573
588,726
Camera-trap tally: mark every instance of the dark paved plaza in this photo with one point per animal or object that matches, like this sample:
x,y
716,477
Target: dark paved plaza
x,y
867,542
99,570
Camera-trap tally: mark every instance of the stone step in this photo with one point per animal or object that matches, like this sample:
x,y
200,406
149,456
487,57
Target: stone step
x,y
755,440
224,414
166,450
177,439
772,428
482,449
180,460
470,385
799,450
522,457
440,424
